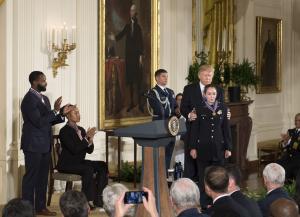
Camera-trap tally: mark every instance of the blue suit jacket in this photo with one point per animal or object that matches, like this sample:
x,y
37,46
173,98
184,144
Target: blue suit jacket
x,y
265,203
158,109
193,212
38,119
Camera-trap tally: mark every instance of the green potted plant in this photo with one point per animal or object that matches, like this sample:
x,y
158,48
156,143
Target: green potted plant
x,y
242,76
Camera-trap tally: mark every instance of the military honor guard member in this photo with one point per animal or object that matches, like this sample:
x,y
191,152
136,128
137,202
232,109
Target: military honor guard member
x,y
290,159
162,101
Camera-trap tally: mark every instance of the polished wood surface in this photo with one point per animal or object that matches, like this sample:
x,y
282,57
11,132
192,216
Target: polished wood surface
x,y
148,180
241,126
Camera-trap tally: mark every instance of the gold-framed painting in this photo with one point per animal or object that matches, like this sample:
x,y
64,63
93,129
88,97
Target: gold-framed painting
x,y
128,56
268,54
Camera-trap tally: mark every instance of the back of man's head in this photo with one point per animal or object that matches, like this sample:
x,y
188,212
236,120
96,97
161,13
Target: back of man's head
x,y
184,194
284,207
73,204
217,179
234,173
274,174
18,208
111,193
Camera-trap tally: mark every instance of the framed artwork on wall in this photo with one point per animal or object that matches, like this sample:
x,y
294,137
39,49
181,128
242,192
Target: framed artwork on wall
x,y
128,56
268,54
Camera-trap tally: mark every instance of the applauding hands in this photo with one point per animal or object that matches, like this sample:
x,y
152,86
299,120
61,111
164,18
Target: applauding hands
x,y
90,133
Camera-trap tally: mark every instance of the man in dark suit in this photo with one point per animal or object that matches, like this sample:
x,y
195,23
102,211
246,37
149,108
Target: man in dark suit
x,y
274,177
162,101
216,185
290,159
210,136
235,193
75,143
192,99
36,140
185,197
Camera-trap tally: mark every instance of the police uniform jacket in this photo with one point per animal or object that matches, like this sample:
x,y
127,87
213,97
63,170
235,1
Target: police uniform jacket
x,y
192,98
161,110
210,133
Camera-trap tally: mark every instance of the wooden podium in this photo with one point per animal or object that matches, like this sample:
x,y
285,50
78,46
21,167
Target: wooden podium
x,y
153,137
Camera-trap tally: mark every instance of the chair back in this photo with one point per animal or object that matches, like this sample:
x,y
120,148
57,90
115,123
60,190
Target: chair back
x,y
55,152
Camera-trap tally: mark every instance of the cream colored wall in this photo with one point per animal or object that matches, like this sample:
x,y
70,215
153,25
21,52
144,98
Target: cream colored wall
x,y
23,26
271,113
23,22
3,104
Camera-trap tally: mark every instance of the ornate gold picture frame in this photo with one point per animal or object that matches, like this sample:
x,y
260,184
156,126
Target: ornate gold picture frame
x,y
128,44
268,54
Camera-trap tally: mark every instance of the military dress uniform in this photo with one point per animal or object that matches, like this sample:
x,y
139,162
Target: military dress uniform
x,y
290,159
162,102
210,136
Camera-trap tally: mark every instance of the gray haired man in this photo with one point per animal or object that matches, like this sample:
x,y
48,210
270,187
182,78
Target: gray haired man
x,y
185,197
274,177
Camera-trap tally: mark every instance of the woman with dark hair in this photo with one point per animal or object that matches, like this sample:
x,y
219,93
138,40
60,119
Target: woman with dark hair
x,y
210,137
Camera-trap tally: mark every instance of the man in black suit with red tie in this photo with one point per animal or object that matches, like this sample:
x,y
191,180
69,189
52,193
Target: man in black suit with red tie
x,y
36,141
216,186
192,99
235,177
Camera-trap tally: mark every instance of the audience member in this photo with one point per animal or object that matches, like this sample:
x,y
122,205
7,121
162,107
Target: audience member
x,y
75,143
284,208
216,181
178,99
297,193
274,176
290,159
235,178
112,195
74,204
18,208
185,197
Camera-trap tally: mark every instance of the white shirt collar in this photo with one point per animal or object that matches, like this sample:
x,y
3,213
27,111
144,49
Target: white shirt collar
x,y
234,191
162,87
223,195
202,86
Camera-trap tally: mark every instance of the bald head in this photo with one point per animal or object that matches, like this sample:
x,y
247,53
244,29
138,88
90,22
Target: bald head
x,y
284,207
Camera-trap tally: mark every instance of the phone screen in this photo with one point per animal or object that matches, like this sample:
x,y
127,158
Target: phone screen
x,y
135,197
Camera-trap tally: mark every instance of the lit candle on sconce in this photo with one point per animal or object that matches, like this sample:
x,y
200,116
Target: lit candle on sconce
x,y
218,41
73,34
224,39
61,43
229,42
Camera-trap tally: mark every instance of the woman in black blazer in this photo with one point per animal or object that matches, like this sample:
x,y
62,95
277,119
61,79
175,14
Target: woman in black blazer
x,y
75,143
210,136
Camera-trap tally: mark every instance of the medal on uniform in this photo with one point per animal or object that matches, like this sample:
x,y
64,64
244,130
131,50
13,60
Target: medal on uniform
x,y
212,108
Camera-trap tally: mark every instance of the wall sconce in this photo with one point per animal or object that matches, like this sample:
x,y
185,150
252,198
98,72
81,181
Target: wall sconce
x,y
59,46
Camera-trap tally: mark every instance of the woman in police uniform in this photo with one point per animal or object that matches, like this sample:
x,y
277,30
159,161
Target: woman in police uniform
x,y
210,138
